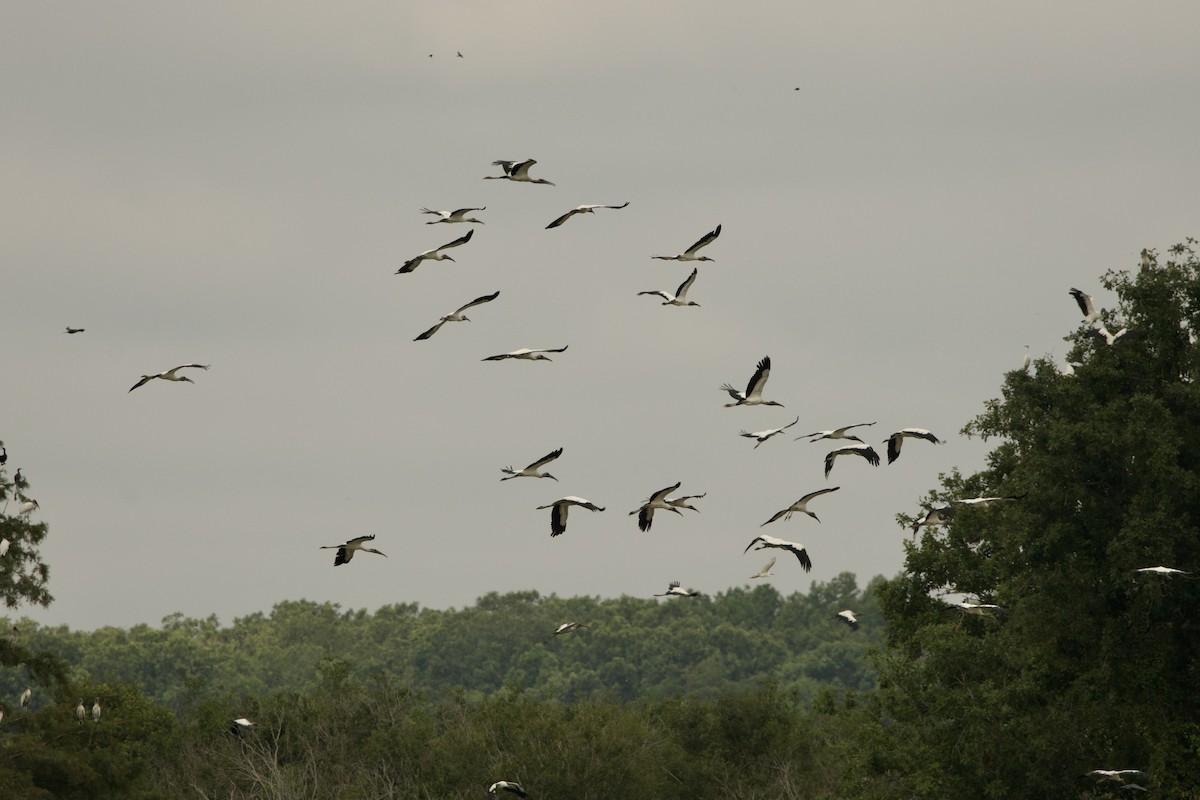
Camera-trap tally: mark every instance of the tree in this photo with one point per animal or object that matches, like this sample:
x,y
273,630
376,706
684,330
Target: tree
x,y
23,574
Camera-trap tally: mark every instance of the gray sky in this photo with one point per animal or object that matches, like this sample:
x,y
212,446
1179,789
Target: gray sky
x,y
907,192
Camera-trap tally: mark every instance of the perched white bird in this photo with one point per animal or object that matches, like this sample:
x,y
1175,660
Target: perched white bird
x,y
1160,570
516,171
864,450
457,215
1090,314
531,471
673,590
170,375
1028,359
765,572
753,394
4,545
506,786
346,551
690,253
457,315
762,436
801,506
96,710
566,627
240,726
764,541
435,254
75,330
528,354
1147,260
28,507
836,433
587,209
896,440
559,508
80,712
680,296
658,500
847,616
25,695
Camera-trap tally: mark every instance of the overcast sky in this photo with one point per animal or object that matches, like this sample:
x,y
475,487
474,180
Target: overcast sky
x,y
907,192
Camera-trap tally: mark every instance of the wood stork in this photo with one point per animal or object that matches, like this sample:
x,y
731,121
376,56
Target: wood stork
x,y
674,590
457,215
435,254
4,545
1147,260
1027,360
240,726
25,695
1118,775
645,513
984,502
346,551
1164,571
1090,314
80,712
457,315
506,786
587,209
528,354
690,253
765,572
566,627
516,171
680,296
753,394
847,616
170,375
836,433
559,508
3,456
801,506
96,710
28,508
682,502
762,436
1109,338
864,450
979,609
939,514
75,330
896,440
764,541
532,471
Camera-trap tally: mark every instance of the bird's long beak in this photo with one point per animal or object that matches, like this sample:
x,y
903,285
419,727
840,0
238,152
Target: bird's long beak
x,y
450,258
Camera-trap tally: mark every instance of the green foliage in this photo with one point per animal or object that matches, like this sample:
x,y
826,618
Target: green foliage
x,y
23,574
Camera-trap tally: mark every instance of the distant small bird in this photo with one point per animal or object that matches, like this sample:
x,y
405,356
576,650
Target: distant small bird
x,y
588,209
764,541
457,315
1160,570
457,215
690,253
96,710
4,545
25,695
978,609
1028,359
516,171
765,572
532,471
939,514
836,433
506,786
896,440
680,296
459,53
864,450
682,502
1109,338
1147,260
658,500
435,254
240,726
753,394
28,508
75,330
984,502
80,712
3,456
346,551
801,506
1090,314
566,627
559,509
169,375
528,354
849,618
1118,775
673,590
762,436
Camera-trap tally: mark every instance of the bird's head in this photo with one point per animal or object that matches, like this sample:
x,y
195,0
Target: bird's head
x,y
376,552
676,510
448,258
551,477
185,378
541,357
693,303
855,438
704,258
772,403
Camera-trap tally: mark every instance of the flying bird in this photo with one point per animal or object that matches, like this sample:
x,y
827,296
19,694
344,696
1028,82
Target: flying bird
x,y
566,627
1109,338
240,726
984,502
801,506
645,513
762,436
3,455
1114,774
690,253
531,471
765,572
849,618
435,254
836,433
979,609
1162,571
528,354
457,215
170,375
345,552
682,502
75,330
864,450
764,541
506,786
936,515
559,509
457,315
673,590
516,171
753,394
896,440
1090,314
680,296
588,209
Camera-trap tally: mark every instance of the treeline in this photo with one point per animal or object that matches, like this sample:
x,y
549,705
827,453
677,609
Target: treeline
x,y
633,648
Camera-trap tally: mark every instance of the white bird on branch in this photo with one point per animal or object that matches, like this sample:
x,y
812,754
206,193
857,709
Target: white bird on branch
x,y
753,394
435,254
457,215
801,506
516,171
346,551
762,436
586,209
532,471
170,375
690,253
764,541
96,710
680,296
457,315
559,509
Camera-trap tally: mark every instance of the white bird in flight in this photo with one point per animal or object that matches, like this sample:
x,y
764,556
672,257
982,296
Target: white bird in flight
x,y
457,315
516,171
762,436
753,394
1090,314
847,616
680,296
765,572
1160,570
1109,338
801,506
435,254
566,627
674,590
690,253
864,450
682,502
170,375
586,209
896,440
457,215
559,509
506,786
764,541
836,433
532,471
658,500
528,354
346,551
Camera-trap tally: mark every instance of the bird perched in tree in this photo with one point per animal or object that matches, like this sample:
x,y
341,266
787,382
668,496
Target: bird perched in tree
x,y
96,710
346,551
80,712
25,695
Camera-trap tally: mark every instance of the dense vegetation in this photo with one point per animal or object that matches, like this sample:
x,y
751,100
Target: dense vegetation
x,y
1080,663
